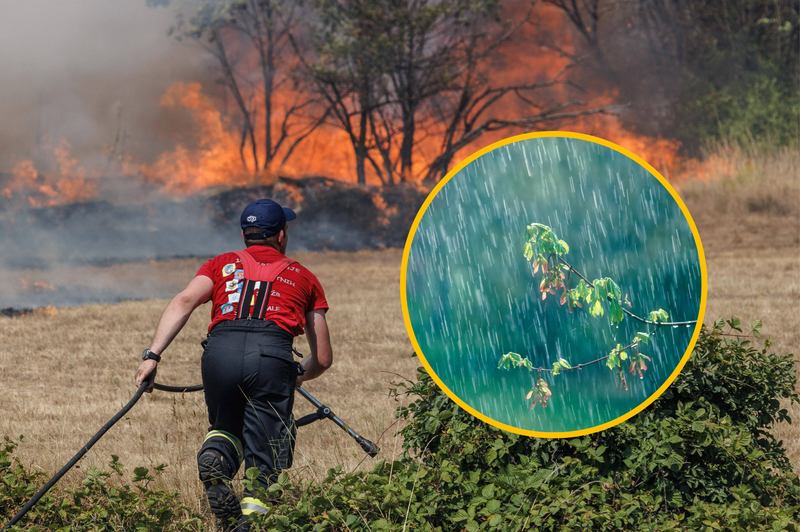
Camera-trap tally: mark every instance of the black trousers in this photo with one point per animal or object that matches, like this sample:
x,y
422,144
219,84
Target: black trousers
x,y
249,377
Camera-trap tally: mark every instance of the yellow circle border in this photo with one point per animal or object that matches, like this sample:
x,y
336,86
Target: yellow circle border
x,y
550,134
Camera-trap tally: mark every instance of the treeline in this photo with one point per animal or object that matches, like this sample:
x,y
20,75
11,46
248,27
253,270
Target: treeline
x,y
412,82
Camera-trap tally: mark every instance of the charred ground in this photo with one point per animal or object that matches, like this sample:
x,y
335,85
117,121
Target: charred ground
x,y
333,215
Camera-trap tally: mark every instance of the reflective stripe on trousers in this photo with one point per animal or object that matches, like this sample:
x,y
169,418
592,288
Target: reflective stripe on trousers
x,y
228,436
252,505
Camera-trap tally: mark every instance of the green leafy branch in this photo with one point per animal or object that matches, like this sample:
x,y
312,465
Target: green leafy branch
x,y
545,251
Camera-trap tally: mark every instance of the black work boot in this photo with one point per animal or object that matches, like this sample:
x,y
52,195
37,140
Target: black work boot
x,y
244,524
221,498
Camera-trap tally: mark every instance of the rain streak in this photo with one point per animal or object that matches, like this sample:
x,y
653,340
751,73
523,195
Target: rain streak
x,y
472,295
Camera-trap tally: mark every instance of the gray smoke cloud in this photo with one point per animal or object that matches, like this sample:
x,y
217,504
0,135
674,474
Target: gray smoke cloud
x,y
79,71
67,68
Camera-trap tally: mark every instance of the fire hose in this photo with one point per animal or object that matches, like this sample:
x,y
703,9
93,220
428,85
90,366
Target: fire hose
x,y
323,412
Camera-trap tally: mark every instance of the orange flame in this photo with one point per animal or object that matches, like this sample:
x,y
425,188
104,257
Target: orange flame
x,y
66,182
215,161
218,160
213,156
36,286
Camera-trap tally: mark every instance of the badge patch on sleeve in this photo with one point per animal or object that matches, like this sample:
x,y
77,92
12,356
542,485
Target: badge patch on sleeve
x,y
230,286
238,274
228,269
227,308
233,298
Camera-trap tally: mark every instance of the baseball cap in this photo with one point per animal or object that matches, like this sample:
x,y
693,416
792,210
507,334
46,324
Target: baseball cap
x,y
267,215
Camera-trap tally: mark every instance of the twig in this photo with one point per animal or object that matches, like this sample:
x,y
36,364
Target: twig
x,y
579,366
626,311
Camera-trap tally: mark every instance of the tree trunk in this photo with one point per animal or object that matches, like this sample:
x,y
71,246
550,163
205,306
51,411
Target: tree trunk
x,y
268,64
407,145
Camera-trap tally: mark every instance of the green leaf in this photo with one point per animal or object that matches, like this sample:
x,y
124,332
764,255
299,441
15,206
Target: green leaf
x,y
601,293
140,473
582,290
658,315
596,309
613,288
642,337
564,363
615,311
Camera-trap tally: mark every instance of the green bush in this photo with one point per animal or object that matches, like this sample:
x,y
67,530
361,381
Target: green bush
x,y
699,458
94,506
762,107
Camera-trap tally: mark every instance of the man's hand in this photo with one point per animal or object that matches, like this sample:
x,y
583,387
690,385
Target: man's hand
x,y
147,369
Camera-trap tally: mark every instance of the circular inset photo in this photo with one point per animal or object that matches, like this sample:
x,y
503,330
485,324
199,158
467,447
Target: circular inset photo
x,y
553,284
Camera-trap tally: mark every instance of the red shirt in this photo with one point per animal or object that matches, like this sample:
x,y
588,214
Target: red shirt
x,y
295,292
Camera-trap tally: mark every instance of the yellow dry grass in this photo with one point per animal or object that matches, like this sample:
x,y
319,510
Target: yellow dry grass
x,y
65,374
748,218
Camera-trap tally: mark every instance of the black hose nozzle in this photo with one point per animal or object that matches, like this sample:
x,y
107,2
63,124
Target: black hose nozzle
x,y
370,448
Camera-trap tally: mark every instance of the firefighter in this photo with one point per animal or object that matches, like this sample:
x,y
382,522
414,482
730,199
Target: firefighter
x,y
260,301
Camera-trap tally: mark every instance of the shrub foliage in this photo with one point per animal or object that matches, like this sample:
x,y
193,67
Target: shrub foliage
x,y
97,505
699,458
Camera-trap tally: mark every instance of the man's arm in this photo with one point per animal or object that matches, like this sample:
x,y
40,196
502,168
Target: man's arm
x,y
319,341
172,321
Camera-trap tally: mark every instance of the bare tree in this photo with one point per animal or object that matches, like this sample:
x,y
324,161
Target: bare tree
x,y
398,72
345,63
250,41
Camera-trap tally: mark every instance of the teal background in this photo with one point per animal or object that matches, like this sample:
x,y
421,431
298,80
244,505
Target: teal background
x,y
472,296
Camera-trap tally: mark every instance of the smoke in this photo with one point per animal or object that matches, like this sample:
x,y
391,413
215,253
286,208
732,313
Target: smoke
x,y
85,252
78,70
101,107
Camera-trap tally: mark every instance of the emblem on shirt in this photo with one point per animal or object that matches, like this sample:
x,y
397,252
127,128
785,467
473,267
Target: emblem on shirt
x,y
233,298
228,269
238,274
230,286
227,308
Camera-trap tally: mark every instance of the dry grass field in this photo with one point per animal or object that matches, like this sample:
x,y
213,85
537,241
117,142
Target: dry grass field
x,y
748,217
64,373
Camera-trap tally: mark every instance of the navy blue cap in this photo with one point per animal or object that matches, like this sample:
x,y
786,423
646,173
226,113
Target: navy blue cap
x,y
267,215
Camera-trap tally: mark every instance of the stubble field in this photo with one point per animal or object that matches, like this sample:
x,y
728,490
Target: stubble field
x,y
66,372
